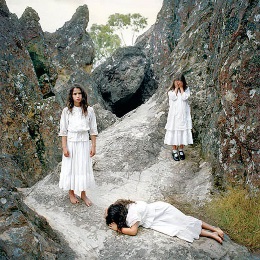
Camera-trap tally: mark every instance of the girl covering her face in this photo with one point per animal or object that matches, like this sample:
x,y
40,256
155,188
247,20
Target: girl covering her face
x,y
179,125
125,216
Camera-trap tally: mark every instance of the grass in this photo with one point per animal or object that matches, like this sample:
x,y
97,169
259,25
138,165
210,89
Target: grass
x,y
237,212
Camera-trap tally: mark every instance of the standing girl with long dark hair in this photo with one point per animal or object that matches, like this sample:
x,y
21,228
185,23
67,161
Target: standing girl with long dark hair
x,y
77,122
179,125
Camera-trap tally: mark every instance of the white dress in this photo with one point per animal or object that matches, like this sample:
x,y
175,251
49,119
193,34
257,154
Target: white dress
x,y
165,218
179,125
76,170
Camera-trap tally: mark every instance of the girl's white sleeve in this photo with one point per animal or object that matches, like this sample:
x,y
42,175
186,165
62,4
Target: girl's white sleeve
x,y
172,96
132,216
186,94
64,122
92,122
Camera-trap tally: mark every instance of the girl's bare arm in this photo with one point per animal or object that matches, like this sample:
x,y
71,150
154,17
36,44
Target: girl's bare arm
x,y
64,146
93,145
132,231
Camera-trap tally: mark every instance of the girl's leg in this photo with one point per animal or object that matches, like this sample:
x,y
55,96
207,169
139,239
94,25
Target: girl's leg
x,y
214,235
175,153
73,198
182,155
85,199
213,229
174,147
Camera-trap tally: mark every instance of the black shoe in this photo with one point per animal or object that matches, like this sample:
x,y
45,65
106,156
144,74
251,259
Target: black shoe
x,y
175,156
182,155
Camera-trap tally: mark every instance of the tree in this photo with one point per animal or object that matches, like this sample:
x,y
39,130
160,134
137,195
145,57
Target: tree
x,y
105,37
138,23
105,41
121,22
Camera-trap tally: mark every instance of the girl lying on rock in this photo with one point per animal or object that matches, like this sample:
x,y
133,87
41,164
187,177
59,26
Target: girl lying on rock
x,y
125,216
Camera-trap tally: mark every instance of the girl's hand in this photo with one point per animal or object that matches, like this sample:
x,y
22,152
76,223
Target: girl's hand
x,y
113,226
92,151
66,152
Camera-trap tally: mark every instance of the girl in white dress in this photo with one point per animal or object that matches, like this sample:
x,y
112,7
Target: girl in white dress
x,y
179,125
125,216
77,122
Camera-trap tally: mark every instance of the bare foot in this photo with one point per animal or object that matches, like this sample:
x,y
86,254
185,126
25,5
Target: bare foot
x,y
73,198
220,232
216,236
86,200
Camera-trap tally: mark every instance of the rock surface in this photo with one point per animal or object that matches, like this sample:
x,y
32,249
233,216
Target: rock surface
x,y
20,99
216,45
72,52
35,43
29,146
23,233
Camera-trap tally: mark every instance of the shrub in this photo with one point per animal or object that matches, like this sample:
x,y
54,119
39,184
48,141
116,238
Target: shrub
x,y
238,213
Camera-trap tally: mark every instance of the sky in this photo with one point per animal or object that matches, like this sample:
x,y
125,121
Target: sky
x,y
54,13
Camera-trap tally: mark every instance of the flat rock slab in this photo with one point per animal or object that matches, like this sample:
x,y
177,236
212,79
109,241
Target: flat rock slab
x,y
84,227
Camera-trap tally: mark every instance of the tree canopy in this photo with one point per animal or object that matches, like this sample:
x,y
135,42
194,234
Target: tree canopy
x,y
121,22
107,38
105,41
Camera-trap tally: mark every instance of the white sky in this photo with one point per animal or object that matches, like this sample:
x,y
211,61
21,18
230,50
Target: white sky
x,y
54,13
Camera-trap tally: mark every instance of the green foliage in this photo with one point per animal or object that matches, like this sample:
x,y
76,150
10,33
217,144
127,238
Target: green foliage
x,y
106,42
237,212
121,22
106,38
137,23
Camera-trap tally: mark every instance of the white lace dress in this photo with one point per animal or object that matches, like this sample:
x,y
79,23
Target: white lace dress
x,y
76,170
179,124
165,218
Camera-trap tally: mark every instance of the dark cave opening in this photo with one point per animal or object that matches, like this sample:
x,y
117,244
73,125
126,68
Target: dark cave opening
x,y
134,100
123,106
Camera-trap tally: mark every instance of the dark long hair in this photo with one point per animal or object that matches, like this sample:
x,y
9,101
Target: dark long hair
x,y
181,78
84,102
117,213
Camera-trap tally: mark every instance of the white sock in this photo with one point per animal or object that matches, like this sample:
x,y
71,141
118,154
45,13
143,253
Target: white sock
x,y
175,151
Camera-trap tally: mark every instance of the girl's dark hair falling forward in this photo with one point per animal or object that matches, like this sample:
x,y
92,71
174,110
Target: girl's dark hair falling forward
x,y
117,213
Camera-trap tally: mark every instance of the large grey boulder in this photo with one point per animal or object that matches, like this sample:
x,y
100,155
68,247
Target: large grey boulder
x,y
125,80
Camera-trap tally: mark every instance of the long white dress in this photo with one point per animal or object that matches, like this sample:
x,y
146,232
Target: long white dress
x,y
76,170
165,218
179,124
